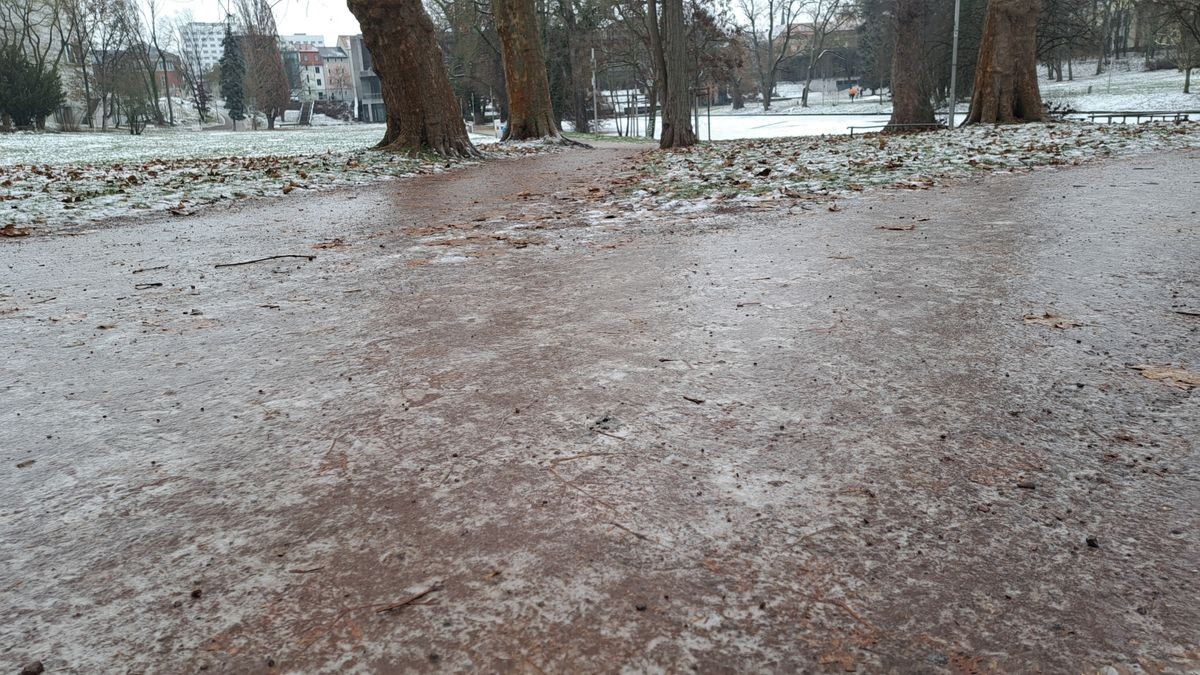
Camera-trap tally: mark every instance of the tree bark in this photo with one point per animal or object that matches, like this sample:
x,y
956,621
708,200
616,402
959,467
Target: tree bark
x,y
911,87
677,120
422,113
1006,84
530,113
576,72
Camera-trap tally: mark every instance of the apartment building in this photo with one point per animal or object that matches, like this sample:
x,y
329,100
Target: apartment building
x,y
201,43
368,94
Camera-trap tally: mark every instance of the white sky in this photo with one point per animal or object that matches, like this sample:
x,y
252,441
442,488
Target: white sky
x,y
316,17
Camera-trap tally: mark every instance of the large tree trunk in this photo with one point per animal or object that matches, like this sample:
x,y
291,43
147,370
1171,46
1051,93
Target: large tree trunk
x,y
1006,84
910,81
530,113
422,114
677,119
576,72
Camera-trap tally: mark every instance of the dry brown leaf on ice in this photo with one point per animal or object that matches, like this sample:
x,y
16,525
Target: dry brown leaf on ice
x,y
337,244
1175,376
1052,320
899,227
11,230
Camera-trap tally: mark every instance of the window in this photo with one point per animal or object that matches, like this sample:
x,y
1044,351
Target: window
x,y
318,70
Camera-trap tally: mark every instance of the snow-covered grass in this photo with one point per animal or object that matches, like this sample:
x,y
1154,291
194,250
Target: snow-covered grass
x,y
727,172
50,180
1124,86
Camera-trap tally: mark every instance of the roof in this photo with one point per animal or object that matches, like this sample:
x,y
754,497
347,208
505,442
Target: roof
x,y
333,53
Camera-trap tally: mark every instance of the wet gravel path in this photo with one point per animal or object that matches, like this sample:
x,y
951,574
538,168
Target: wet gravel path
x,y
787,440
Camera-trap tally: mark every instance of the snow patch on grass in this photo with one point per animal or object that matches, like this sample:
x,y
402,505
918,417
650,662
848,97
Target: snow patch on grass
x,y
52,180
750,171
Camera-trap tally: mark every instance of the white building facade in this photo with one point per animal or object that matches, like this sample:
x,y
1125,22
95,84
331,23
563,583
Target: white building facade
x,y
201,43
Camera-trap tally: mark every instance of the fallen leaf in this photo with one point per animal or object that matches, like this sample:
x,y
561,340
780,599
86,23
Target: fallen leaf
x,y
11,230
900,227
1051,320
337,243
1177,377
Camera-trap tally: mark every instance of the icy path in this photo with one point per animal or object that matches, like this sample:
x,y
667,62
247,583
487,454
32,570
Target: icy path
x,y
787,441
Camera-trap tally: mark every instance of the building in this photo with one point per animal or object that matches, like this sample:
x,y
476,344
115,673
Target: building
x,y
171,77
312,75
368,93
302,40
201,44
339,81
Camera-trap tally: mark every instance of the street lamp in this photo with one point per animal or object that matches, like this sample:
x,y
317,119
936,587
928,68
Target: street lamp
x,y
954,68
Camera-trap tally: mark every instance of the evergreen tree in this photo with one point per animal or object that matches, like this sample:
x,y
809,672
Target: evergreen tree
x,y
28,94
233,75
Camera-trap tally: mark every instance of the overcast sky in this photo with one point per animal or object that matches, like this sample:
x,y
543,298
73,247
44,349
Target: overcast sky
x,y
329,18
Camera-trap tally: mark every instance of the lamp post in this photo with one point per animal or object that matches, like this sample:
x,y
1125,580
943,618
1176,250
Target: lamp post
x,y
954,68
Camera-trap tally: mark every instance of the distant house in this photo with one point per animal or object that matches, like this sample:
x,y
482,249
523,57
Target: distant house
x,y
339,80
368,93
312,74
171,75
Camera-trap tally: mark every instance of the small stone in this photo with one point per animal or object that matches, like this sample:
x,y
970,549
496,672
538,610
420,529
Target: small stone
x,y
1092,543
1026,484
197,593
641,607
33,668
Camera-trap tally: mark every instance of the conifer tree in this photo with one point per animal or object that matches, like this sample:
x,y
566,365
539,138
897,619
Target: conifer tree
x,y
233,75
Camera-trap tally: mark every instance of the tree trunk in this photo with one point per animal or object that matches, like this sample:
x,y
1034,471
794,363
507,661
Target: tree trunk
x,y
422,114
1187,80
576,72
911,102
768,88
530,113
735,93
808,78
652,117
677,122
1006,85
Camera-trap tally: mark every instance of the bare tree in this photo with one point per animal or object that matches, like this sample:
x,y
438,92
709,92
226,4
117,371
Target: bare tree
x,y
530,112
1006,86
771,24
1181,28
152,21
407,59
911,86
266,86
825,16
669,41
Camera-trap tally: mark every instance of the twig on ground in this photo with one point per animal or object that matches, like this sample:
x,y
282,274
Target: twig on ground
x,y
605,433
409,600
270,257
150,269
